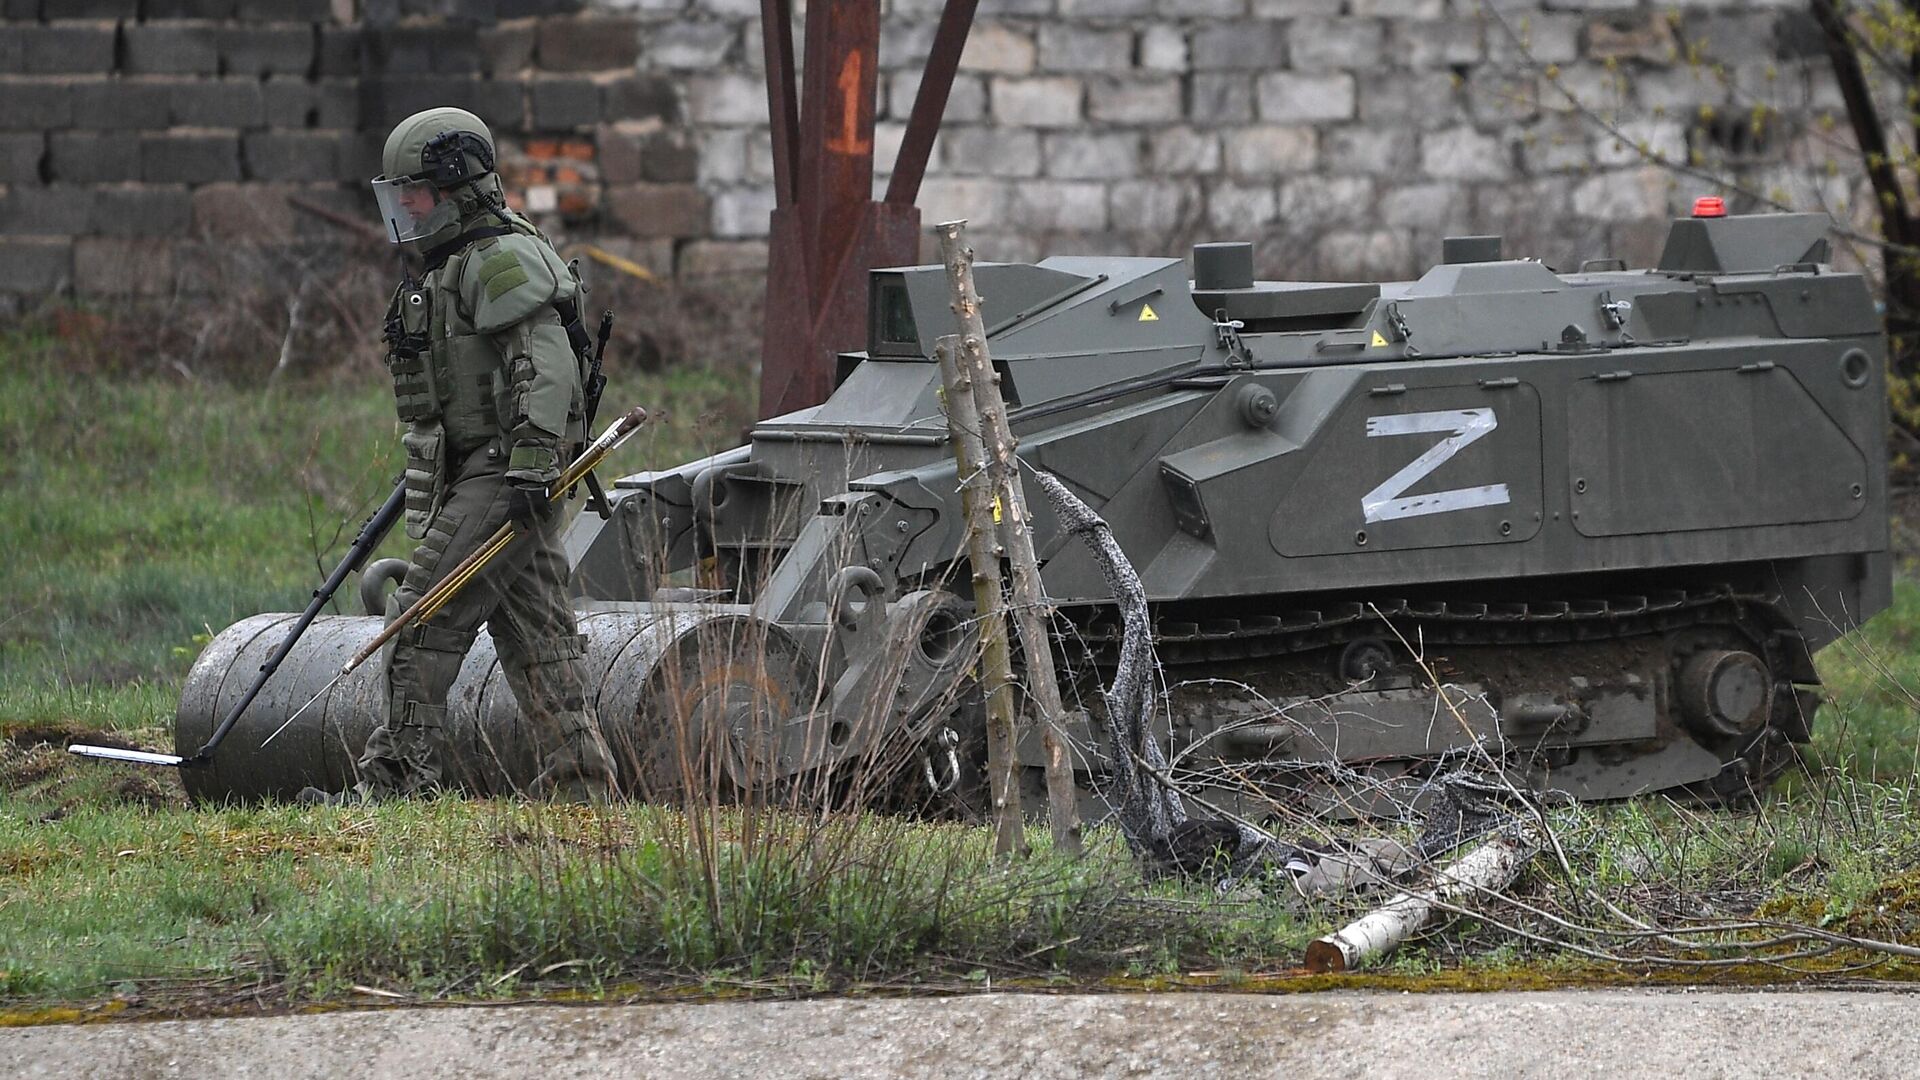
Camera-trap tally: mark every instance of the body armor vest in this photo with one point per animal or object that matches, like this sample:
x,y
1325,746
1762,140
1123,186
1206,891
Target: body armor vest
x,y
442,368
452,384
448,382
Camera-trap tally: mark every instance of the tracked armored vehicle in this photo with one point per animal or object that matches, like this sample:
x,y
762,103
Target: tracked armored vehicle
x,y
1609,514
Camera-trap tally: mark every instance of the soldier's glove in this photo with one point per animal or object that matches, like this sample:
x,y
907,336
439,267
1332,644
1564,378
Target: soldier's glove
x,y
532,465
527,503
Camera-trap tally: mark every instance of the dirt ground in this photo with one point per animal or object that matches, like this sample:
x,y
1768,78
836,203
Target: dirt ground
x,y
40,776
1543,1036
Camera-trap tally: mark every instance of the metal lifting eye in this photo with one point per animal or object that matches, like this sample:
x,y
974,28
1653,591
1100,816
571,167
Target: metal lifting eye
x,y
947,740
1617,312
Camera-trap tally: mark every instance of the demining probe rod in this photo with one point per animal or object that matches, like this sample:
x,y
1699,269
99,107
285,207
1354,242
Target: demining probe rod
x,y
436,598
370,536
317,694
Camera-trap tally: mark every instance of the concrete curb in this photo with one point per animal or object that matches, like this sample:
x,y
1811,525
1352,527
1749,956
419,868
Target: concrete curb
x,y
1613,1034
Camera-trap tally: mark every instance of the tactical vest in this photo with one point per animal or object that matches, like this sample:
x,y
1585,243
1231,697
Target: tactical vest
x,y
450,385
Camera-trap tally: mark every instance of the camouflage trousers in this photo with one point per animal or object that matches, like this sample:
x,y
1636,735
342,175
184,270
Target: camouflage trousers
x,y
522,599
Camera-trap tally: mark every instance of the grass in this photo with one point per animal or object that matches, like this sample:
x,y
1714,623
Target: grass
x,y
486,899
141,515
1873,680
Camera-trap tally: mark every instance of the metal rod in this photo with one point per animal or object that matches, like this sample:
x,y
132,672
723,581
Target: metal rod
x,y
776,28
843,435
304,706
374,531
468,568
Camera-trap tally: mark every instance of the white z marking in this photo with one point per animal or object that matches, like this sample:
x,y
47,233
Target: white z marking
x,y
1463,426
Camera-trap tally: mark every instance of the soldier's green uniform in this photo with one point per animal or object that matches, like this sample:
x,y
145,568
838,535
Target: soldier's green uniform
x,y
488,384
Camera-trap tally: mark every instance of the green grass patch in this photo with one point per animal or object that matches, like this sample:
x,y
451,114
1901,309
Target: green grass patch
x,y
141,516
481,898
1868,728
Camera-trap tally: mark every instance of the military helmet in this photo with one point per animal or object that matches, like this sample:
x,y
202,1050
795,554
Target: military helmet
x,y
428,152
447,146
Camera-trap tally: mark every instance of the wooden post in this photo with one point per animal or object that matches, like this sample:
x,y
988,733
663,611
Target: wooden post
x,y
1031,612
983,553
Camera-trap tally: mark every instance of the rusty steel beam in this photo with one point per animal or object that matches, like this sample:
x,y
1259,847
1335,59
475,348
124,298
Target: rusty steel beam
x,y
776,18
836,117
930,102
827,231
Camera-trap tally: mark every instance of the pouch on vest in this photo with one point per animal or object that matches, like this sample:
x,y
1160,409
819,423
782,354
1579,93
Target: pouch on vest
x,y
425,443
408,339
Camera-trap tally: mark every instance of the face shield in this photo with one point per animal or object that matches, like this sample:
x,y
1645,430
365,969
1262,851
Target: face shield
x,y
408,206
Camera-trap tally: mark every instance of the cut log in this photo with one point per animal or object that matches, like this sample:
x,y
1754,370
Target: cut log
x,y
1488,868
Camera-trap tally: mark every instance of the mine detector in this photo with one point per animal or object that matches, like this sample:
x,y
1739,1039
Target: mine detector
x,y
1611,514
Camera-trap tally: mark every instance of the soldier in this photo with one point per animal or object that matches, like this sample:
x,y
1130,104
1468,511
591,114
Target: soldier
x,y
486,353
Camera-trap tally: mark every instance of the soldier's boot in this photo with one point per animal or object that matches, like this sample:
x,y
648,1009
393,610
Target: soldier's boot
x,y
549,682
581,768
362,793
403,757
401,760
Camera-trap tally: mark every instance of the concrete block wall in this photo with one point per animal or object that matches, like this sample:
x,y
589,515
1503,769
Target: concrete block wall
x,y
1346,136
130,129
1349,136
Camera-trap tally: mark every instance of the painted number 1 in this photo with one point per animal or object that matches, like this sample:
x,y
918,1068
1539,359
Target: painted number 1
x,y
849,141
1462,427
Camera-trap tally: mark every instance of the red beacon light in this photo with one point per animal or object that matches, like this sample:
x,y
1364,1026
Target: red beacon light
x,y
1709,206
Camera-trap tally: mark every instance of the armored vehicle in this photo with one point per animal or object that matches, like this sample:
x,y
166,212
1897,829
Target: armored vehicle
x,y
1595,523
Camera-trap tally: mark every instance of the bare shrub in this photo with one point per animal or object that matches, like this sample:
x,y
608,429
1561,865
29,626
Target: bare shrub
x,y
711,321
262,310
235,311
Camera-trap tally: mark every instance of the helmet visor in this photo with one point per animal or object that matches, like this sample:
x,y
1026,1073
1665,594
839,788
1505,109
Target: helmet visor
x,y
406,204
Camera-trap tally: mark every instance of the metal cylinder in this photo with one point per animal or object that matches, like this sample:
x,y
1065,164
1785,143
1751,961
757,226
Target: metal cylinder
x,y
1223,266
489,750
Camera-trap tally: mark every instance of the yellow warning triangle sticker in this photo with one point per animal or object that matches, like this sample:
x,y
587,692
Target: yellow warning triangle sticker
x,y
1378,342
1147,315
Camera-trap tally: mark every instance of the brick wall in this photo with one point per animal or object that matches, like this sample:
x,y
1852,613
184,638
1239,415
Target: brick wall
x,y
1347,136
